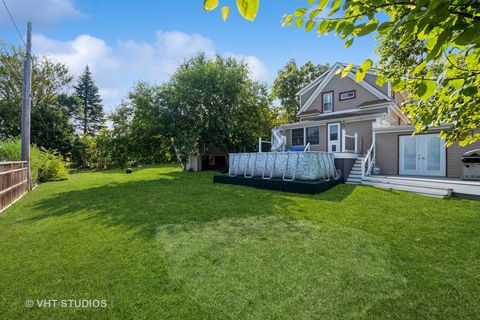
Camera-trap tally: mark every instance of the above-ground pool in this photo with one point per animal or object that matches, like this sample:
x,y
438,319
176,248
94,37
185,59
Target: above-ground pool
x,y
289,166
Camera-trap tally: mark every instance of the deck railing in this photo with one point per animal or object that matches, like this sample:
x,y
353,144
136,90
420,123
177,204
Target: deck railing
x,y
350,142
13,182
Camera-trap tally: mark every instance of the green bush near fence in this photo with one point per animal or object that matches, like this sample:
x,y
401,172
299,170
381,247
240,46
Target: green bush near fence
x,y
46,165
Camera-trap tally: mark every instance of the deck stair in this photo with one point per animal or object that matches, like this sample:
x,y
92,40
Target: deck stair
x,y
426,188
355,176
440,187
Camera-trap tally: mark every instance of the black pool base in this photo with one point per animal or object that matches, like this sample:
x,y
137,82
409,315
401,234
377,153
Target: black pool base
x,y
296,186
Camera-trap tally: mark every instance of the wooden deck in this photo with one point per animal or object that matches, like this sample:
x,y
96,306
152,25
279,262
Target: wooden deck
x,y
434,186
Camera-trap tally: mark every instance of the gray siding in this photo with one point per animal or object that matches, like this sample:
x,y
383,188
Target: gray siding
x,y
371,79
322,146
388,153
363,128
398,98
304,97
386,148
364,131
338,84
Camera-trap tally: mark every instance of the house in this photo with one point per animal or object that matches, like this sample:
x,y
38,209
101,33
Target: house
x,y
363,125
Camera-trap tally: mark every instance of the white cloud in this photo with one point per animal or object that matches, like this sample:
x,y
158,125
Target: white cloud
x,y
40,12
76,54
117,68
155,61
258,70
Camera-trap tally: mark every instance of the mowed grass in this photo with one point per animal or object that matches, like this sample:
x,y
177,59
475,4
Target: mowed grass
x,y
163,244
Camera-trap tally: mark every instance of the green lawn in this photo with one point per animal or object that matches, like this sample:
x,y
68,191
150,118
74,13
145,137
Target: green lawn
x,y
162,244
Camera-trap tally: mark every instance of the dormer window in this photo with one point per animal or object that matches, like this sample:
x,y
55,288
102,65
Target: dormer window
x,y
327,99
346,95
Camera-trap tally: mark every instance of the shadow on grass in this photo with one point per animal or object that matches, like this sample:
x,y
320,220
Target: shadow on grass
x,y
173,198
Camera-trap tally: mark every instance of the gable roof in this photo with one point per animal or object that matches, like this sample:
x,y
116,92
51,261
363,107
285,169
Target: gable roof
x,y
312,84
325,78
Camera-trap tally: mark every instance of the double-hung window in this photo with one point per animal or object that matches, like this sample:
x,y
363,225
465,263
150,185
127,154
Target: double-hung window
x,y
298,137
313,135
327,98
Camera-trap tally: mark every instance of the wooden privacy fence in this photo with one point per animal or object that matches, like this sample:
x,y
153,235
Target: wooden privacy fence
x,y
13,182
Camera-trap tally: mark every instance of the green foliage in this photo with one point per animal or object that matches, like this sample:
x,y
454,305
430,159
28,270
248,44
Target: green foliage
x,y
52,128
225,13
291,79
362,71
52,110
103,149
213,103
86,146
122,141
449,35
248,8
91,117
52,166
210,4
138,134
45,165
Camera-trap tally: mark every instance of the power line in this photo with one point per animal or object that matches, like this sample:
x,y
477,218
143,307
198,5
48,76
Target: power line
x,y
13,20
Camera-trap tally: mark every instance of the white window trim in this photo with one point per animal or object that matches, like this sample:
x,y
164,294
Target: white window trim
x,y
331,102
304,137
321,86
347,92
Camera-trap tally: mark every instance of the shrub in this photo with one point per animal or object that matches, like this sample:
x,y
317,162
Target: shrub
x,y
45,165
52,167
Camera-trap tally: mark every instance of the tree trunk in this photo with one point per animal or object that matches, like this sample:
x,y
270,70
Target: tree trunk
x,y
85,123
184,164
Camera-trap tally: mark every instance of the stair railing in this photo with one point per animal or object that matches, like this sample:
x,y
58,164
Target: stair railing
x,y
369,162
349,142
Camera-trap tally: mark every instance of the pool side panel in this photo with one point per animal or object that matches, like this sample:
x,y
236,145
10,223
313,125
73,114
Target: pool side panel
x,y
297,186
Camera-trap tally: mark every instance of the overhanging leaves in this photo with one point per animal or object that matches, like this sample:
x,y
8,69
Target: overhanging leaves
x,y
248,8
210,4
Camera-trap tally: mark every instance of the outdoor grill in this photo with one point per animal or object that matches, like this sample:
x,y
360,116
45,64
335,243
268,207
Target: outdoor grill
x,y
471,165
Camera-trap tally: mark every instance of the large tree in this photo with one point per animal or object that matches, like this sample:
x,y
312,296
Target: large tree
x,y
91,117
213,103
150,144
52,110
122,142
290,79
442,84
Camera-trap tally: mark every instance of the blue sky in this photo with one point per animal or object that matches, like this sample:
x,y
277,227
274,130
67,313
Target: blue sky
x,y
126,41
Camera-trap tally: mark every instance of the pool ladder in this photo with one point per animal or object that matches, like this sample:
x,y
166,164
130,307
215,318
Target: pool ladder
x,y
245,174
294,169
330,163
272,169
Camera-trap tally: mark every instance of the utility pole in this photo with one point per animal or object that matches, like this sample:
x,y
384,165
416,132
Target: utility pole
x,y
26,103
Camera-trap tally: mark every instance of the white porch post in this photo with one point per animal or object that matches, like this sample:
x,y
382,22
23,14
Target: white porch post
x,y
259,144
356,142
343,140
